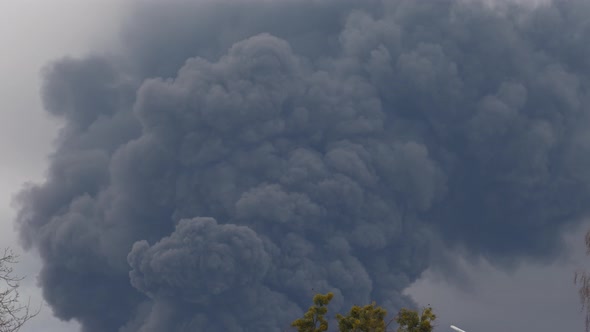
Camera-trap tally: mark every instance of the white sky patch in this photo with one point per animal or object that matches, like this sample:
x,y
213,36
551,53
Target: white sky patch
x,y
500,3
34,33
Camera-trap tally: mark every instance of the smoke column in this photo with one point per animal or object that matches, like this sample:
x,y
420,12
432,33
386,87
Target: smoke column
x,y
234,158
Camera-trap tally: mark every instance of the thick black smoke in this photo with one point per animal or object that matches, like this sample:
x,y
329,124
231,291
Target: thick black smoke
x,y
234,158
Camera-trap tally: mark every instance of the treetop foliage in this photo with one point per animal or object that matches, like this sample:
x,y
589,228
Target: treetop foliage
x,y
313,320
368,318
410,321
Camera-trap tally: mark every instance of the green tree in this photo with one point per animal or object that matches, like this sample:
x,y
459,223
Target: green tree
x,y
313,320
411,321
370,318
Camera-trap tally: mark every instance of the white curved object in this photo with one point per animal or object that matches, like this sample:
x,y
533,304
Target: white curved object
x,y
457,329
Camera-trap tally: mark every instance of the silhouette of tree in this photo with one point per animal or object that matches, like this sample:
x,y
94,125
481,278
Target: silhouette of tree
x,y
582,278
13,314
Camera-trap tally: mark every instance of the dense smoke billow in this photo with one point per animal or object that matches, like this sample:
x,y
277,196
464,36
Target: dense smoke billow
x,y
235,157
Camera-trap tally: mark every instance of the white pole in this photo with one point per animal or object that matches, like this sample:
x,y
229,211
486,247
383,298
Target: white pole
x,y
457,329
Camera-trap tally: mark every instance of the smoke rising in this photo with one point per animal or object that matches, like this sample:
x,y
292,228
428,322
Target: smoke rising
x,y
234,158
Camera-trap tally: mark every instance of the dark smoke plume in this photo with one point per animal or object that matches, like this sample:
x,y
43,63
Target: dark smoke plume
x,y
234,158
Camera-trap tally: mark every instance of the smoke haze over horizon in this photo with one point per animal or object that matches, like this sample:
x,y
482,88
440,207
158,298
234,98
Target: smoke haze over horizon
x,y
230,158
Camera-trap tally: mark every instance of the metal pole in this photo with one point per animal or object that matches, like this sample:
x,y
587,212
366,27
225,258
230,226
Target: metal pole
x,y
457,329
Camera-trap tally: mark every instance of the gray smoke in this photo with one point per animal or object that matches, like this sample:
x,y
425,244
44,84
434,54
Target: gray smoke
x,y
234,158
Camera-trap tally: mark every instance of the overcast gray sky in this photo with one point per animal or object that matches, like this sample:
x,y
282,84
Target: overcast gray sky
x,y
32,33
533,297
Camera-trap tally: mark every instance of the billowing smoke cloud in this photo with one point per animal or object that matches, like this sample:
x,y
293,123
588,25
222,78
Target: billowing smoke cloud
x,y
234,158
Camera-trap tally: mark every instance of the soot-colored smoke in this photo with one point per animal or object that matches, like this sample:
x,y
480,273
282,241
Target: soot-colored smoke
x,y
234,158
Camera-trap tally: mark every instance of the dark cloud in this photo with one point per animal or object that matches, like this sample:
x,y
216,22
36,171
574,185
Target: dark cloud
x,y
234,158
215,258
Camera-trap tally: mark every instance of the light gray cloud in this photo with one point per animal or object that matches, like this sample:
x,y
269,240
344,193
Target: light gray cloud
x,y
530,296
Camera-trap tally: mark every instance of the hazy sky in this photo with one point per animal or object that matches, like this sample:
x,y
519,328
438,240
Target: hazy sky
x,y
529,297
32,34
